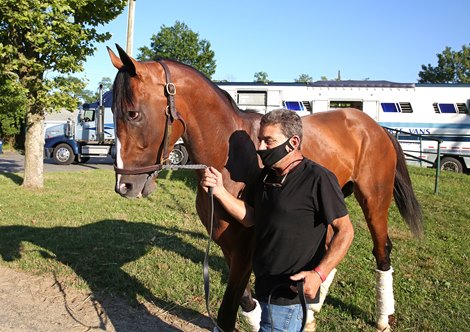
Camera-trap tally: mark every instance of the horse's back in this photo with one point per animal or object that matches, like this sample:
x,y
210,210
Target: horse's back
x,y
348,142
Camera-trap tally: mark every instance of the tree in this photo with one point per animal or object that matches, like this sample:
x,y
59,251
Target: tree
x,y
304,78
181,44
452,67
107,83
13,103
89,96
41,40
261,77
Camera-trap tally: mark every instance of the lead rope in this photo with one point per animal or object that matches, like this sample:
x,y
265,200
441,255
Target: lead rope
x,y
205,269
303,302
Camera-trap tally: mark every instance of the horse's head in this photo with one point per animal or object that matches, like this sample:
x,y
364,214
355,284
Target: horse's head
x,y
143,119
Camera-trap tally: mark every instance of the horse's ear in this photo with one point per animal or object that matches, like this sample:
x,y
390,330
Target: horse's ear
x,y
124,60
127,61
114,59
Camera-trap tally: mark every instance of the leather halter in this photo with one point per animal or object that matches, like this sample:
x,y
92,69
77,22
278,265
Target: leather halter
x,y
171,115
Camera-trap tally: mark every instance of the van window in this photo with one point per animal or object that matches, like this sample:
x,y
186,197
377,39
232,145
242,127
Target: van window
x,y
293,105
334,104
251,98
397,107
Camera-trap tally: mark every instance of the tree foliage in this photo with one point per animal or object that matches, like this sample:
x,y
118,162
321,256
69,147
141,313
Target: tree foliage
x,y
304,78
452,67
89,96
261,76
13,104
180,43
41,43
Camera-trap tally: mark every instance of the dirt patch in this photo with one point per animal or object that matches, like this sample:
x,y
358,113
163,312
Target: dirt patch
x,y
42,304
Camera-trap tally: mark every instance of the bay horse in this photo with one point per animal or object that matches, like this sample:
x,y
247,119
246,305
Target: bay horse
x,y
157,102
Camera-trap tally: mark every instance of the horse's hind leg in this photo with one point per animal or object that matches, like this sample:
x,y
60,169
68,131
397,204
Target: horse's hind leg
x,y
375,204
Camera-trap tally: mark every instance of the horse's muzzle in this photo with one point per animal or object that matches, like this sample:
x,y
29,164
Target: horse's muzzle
x,y
134,186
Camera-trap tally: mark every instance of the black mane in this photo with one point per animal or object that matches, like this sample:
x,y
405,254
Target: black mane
x,y
123,96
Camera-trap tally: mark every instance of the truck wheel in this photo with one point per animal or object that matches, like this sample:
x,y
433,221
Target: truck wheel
x,y
179,155
451,164
63,154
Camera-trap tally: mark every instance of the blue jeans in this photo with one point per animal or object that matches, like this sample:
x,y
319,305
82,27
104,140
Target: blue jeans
x,y
286,318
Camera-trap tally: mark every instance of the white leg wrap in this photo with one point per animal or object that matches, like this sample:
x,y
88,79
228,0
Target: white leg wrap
x,y
324,287
384,301
253,317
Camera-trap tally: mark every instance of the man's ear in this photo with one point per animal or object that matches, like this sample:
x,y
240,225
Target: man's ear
x,y
295,142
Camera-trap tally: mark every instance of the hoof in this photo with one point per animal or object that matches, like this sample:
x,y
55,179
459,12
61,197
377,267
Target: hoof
x,y
383,329
382,324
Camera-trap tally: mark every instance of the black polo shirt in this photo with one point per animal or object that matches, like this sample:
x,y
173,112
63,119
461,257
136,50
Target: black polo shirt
x,y
290,226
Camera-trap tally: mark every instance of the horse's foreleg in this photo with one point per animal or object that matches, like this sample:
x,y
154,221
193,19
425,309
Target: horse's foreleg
x,y
250,310
247,302
236,292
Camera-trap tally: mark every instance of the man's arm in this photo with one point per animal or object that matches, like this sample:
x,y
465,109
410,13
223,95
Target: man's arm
x,y
237,208
339,245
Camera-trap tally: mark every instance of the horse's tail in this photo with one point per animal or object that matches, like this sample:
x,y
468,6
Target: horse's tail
x,y
403,193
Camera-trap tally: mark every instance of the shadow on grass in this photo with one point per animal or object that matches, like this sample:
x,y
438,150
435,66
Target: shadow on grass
x,y
13,177
97,252
352,310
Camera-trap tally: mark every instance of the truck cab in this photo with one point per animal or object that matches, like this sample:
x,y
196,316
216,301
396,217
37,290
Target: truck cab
x,y
91,134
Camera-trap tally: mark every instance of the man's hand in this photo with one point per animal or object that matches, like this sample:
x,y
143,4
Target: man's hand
x,y
312,283
212,178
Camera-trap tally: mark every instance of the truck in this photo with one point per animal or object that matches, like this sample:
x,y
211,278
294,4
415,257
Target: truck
x,y
91,134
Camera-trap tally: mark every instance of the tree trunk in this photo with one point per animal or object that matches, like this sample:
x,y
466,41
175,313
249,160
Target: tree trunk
x,y
34,151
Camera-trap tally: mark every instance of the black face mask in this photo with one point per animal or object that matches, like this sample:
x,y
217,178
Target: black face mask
x,y
270,157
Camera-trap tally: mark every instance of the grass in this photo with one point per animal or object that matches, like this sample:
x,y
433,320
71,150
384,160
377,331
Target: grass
x,y
152,249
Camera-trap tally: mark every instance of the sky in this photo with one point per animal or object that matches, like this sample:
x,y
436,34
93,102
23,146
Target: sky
x,y
363,39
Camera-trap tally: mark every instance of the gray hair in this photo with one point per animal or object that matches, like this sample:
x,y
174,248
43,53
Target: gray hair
x,y
289,121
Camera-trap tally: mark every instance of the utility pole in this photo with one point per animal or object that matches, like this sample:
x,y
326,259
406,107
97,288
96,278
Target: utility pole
x,y
130,27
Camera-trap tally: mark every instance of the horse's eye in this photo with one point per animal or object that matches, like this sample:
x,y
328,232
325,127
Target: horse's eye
x,y
133,115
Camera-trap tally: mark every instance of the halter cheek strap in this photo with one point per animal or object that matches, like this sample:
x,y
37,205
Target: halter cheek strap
x,y
171,115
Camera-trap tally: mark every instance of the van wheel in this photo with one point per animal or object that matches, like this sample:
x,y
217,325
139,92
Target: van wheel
x,y
451,164
63,154
179,155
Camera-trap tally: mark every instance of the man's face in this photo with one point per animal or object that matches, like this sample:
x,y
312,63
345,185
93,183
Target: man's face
x,y
270,136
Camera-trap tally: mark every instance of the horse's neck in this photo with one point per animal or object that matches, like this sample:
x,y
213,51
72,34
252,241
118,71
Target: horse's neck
x,y
219,135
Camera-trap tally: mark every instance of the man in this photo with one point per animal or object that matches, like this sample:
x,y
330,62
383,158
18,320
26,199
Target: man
x,y
294,201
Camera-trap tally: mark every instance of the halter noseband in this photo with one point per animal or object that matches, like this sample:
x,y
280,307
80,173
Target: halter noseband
x,y
171,115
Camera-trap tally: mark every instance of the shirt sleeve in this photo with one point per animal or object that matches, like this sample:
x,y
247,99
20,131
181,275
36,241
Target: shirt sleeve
x,y
328,197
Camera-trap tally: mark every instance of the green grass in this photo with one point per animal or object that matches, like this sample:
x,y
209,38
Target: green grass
x,y
152,249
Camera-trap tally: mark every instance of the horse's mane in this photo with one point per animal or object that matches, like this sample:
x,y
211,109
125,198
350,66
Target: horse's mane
x,y
224,93
123,96
122,92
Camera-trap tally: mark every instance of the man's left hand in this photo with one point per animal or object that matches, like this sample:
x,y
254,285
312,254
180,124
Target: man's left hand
x,y
312,283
